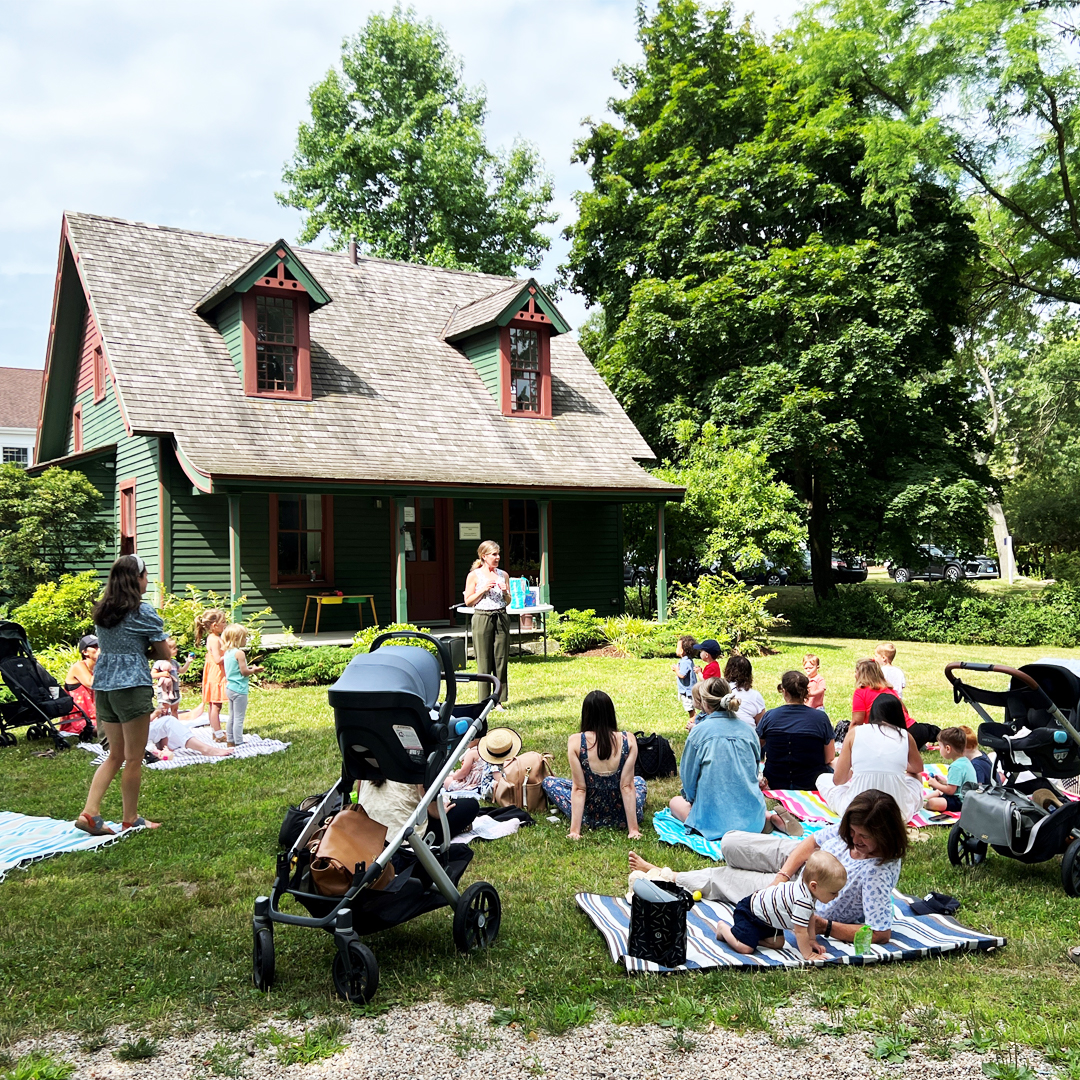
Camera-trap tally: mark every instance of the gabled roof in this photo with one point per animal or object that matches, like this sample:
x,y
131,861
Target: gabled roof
x,y
500,307
20,397
392,400
258,267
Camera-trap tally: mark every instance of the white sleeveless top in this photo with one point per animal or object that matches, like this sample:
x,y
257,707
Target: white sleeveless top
x,y
492,600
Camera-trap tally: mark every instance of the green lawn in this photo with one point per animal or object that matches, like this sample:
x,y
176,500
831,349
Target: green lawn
x,y
155,930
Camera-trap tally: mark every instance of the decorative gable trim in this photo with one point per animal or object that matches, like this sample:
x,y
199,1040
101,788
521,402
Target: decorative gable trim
x,y
522,299
277,268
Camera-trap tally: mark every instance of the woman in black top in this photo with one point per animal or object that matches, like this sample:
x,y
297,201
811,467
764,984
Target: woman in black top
x,y
797,741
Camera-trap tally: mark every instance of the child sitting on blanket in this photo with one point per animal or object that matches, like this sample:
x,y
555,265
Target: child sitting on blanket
x,y
167,734
950,791
762,917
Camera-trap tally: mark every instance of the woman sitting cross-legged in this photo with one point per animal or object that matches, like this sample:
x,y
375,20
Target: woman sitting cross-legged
x,y
603,791
880,754
719,768
870,842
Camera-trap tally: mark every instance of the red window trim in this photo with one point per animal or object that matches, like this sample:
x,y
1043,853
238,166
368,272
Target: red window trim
x,y
129,517
302,392
76,430
544,374
99,374
327,548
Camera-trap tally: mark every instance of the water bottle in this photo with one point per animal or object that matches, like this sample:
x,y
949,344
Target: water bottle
x,y
863,939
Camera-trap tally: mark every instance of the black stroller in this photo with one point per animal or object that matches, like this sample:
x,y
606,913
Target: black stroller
x,y
40,701
1029,817
390,726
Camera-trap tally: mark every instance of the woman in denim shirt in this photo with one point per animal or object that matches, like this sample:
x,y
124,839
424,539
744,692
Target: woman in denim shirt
x,y
127,629
719,768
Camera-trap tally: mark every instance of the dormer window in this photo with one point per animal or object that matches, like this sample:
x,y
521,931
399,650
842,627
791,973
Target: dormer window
x,y
275,344
524,370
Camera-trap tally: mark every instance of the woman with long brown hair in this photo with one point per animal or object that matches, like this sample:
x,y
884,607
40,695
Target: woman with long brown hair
x,y
127,629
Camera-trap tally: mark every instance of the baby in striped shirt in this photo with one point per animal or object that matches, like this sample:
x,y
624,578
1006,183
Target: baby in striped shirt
x,y
762,917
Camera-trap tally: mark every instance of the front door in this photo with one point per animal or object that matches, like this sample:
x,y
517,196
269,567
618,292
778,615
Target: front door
x,y
426,559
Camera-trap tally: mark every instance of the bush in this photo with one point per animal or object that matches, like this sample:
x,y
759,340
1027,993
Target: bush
x,y
576,630
59,612
57,660
724,608
364,638
308,667
943,613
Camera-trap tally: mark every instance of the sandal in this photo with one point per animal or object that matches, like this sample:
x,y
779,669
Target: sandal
x,y
94,824
140,823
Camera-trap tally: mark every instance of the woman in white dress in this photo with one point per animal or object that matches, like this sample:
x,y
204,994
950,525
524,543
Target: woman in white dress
x,y
880,754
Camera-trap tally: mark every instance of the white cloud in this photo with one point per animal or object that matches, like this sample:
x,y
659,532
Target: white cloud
x,y
184,113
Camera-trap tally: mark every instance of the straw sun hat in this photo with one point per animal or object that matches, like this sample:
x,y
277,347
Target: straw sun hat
x,y
499,745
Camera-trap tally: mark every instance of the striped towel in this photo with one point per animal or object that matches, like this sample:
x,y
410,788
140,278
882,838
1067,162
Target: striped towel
x,y
254,746
913,937
810,806
672,831
25,840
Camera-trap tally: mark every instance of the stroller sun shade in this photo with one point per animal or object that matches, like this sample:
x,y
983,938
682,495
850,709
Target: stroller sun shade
x,y
382,714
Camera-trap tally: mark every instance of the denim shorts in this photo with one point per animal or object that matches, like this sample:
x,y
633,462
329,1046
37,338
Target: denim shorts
x,y
123,706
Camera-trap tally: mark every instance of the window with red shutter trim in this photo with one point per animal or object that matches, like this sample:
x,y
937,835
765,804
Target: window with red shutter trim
x,y
76,430
99,374
127,517
276,340
525,349
301,540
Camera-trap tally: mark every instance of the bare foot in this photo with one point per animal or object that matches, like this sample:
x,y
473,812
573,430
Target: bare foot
x,y
638,863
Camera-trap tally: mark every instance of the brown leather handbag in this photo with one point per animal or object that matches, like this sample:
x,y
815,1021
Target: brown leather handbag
x,y
521,782
350,838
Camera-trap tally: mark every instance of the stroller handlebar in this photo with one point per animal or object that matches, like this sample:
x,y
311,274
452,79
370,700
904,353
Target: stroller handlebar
x,y
445,660
969,665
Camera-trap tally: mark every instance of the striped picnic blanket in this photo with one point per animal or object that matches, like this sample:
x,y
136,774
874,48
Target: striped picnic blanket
x,y
810,806
913,937
672,831
25,840
253,746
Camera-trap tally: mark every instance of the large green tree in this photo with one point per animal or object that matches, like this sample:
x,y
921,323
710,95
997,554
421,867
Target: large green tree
x,y
746,278
394,157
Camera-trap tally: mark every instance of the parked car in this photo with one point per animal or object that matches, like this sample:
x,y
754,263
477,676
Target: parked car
x,y
635,575
848,568
930,563
768,573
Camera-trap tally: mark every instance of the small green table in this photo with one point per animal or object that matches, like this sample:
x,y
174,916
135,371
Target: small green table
x,y
331,600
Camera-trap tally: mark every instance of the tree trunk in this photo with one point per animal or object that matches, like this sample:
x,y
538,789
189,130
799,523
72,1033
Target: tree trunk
x,y
1005,554
820,535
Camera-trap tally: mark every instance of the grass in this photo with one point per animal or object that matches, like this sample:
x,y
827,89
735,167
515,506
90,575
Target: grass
x,y
159,926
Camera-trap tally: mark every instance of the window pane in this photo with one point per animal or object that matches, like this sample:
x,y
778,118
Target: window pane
x,y
516,514
288,511
524,349
312,554
532,515
17,454
288,558
275,367
523,391
313,504
276,320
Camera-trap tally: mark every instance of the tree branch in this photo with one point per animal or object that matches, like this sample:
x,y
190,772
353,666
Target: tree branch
x,y
1066,187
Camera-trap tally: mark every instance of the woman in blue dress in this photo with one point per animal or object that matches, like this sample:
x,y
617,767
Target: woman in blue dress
x,y
603,791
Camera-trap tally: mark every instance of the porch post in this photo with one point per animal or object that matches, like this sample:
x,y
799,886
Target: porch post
x,y
235,579
545,553
401,595
661,567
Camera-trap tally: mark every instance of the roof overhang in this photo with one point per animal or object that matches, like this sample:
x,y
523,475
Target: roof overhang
x,y
262,269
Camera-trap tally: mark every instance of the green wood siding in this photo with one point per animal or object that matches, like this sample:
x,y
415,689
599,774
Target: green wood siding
x,y
587,557
103,477
483,351
489,512
230,325
138,457
200,537
102,423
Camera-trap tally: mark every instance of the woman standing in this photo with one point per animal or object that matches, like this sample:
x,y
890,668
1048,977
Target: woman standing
x,y
127,629
879,754
797,740
487,592
604,792
870,842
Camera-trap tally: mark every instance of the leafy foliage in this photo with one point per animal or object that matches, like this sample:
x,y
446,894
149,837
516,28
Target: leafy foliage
x,y
60,612
394,156
35,1066
48,525
747,278
576,630
726,609
307,667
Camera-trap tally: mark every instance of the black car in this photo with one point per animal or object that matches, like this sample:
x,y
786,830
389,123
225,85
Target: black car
x,y
930,563
768,573
848,568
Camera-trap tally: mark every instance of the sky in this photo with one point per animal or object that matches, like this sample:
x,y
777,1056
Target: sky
x,y
183,114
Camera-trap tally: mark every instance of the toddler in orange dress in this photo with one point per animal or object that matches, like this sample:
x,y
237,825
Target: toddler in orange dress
x,y
211,623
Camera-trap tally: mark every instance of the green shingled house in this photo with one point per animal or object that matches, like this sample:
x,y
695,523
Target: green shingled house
x,y
277,423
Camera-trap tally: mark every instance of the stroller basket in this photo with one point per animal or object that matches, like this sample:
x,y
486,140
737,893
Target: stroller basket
x,y
389,726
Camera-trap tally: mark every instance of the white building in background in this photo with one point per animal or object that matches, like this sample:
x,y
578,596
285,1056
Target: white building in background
x,y
20,399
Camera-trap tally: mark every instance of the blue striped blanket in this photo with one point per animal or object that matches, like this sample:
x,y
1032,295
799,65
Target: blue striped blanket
x,y
25,840
913,937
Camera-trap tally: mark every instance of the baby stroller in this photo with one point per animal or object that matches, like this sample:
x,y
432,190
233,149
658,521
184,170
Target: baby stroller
x,y
1027,818
390,726
40,701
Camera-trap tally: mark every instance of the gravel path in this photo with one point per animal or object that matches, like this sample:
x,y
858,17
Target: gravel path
x,y
436,1042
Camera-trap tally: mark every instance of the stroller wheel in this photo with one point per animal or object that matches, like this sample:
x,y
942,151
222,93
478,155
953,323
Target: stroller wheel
x,y
964,850
7,739
262,958
477,916
1070,869
362,980
34,732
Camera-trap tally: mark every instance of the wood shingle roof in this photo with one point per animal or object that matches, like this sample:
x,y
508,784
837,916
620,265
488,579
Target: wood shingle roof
x,y
392,400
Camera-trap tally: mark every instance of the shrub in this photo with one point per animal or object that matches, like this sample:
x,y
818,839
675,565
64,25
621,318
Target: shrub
x,y
364,638
59,612
724,608
576,630
308,667
57,659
